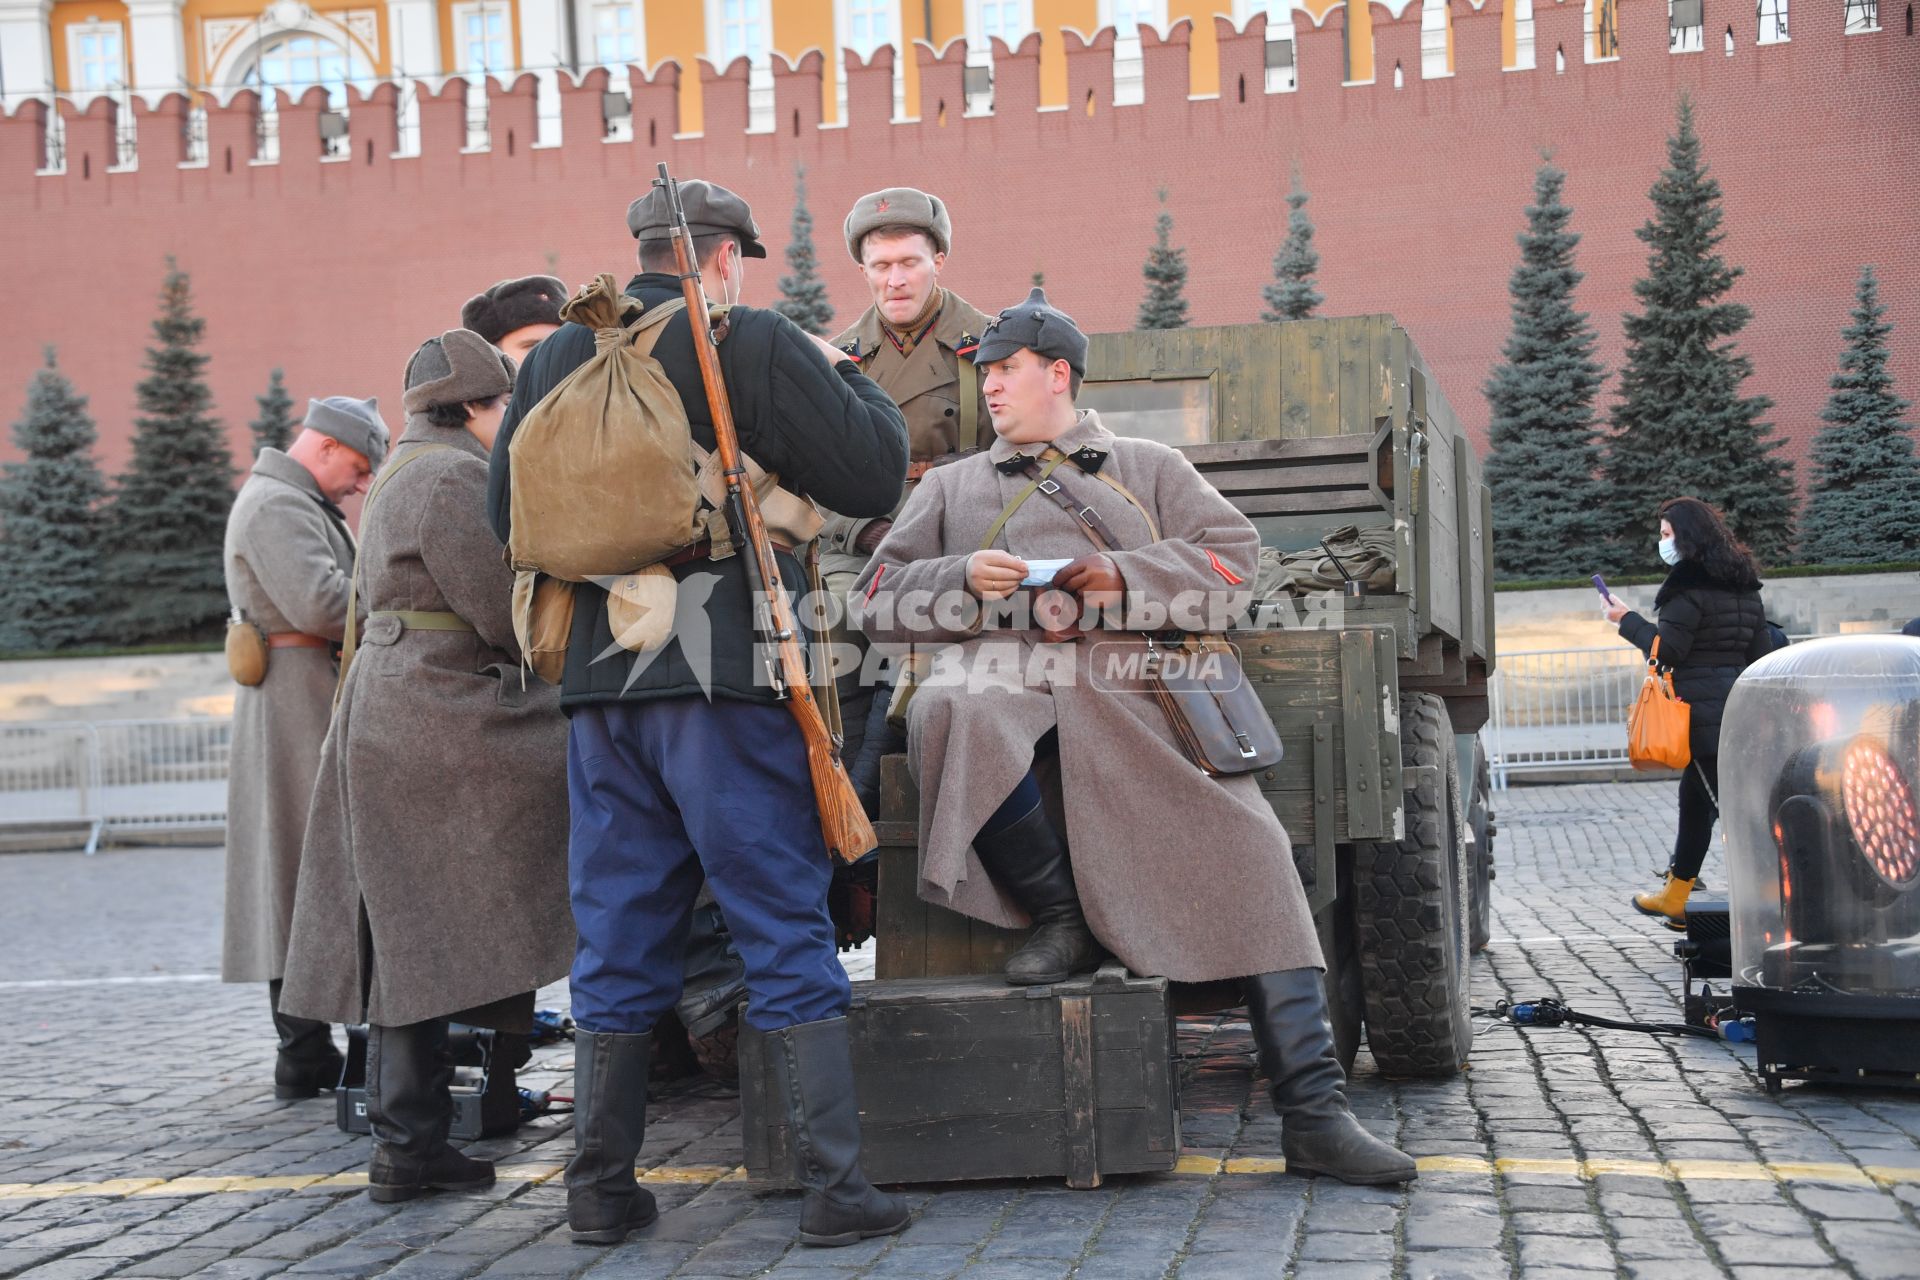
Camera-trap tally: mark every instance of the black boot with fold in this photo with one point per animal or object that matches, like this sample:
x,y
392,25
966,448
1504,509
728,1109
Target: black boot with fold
x,y
1029,861
410,1109
604,1199
1319,1135
814,1065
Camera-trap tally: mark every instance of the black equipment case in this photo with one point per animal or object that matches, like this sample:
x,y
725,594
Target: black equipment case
x,y
966,1077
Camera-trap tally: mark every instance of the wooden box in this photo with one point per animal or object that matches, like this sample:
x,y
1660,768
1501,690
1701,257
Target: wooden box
x,y
967,1077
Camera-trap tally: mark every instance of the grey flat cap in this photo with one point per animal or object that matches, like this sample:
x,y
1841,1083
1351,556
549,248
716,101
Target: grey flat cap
x,y
354,423
899,207
457,367
1038,326
710,208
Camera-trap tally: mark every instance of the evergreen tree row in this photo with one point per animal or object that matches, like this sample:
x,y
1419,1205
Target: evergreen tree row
x,y
138,561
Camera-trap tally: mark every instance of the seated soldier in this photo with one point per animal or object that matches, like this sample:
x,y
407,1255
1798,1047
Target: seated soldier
x,y
1176,873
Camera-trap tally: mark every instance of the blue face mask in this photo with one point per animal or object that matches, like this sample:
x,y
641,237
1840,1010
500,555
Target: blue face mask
x,y
1669,552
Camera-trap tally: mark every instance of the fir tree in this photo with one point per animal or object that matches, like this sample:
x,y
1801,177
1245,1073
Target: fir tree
x,y
803,295
1545,458
169,511
273,429
1291,295
1863,505
1165,306
50,521
1681,426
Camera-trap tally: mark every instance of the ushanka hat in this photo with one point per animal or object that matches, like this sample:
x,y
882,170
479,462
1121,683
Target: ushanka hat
x,y
899,207
354,423
513,304
457,367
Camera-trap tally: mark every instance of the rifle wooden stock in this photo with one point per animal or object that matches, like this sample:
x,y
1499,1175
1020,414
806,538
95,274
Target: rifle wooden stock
x,y
843,822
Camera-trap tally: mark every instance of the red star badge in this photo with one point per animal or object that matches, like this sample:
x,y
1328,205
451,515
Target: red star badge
x,y
882,206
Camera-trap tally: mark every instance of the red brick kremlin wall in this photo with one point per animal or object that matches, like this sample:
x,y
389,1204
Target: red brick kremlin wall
x,y
337,270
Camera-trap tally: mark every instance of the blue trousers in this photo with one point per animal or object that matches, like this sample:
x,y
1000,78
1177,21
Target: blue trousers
x,y
662,791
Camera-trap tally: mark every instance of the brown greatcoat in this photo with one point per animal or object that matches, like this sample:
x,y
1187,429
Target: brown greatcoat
x,y
1180,874
287,556
925,383
435,875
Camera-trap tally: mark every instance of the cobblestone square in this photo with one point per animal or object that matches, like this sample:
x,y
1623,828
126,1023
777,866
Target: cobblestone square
x,y
139,1136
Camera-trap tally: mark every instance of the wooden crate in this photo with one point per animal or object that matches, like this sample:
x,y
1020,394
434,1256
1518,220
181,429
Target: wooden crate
x,y
966,1078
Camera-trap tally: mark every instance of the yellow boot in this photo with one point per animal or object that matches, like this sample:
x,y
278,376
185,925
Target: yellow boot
x,y
1670,902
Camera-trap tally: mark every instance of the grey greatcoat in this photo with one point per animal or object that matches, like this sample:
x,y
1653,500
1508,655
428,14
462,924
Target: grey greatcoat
x,y
435,875
288,554
1180,874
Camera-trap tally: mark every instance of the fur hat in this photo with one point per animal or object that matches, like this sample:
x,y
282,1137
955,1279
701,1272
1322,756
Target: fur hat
x,y
354,423
513,304
899,207
457,367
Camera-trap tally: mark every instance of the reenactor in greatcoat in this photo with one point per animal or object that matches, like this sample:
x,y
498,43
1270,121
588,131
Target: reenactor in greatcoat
x,y
916,340
681,763
405,922
289,557
1008,709
516,315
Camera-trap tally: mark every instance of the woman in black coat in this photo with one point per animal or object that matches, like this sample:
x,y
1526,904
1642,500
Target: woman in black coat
x,y
1711,626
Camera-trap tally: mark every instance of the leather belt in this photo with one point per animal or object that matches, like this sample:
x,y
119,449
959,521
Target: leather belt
x,y
703,550
297,640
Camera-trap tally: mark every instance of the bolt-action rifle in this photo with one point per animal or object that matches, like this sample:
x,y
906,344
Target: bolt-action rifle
x,y
843,822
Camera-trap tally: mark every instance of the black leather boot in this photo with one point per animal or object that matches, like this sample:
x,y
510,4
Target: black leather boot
x,y
814,1065
1029,860
604,1199
307,1061
1288,1010
410,1109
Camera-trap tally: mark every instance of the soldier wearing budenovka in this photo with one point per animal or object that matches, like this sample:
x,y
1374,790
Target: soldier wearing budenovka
x,y
681,761
916,340
401,922
1004,707
288,558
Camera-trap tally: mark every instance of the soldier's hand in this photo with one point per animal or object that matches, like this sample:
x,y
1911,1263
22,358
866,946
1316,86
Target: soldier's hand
x,y
994,575
1095,579
870,536
827,349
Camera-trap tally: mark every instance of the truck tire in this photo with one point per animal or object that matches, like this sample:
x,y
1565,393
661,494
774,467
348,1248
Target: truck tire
x,y
1346,996
1411,910
1480,822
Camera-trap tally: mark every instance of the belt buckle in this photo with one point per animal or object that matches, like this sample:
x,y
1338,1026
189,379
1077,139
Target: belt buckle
x,y
1049,486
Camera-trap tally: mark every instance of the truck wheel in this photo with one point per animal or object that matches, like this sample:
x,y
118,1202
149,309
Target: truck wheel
x,y
1411,909
1480,822
1346,998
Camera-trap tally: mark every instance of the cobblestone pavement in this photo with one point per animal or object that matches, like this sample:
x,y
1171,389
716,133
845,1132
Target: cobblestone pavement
x,y
138,1136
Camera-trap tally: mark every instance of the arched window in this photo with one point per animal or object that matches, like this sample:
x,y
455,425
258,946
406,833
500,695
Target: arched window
x,y
1436,39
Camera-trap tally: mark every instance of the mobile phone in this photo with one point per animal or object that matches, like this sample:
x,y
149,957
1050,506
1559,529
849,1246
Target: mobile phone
x,y
1600,585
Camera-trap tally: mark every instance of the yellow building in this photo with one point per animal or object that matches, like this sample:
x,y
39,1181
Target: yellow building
x,y
154,47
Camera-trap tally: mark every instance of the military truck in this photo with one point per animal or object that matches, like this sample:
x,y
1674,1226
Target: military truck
x,y
1309,426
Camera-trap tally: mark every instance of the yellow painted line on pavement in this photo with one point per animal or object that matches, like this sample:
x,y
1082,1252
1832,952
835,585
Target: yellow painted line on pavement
x,y
1192,1163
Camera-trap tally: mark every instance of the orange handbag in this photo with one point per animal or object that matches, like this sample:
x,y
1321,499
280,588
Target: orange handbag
x,y
1657,726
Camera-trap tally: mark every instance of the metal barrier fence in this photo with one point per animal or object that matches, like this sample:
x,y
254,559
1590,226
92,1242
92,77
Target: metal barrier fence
x,y
1561,708
115,776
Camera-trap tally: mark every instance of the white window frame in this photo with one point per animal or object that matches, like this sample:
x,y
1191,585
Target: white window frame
x,y
1772,27
75,77
980,47
1525,55
842,41
1280,27
759,67
479,125
1686,39
1436,26
592,10
1129,63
